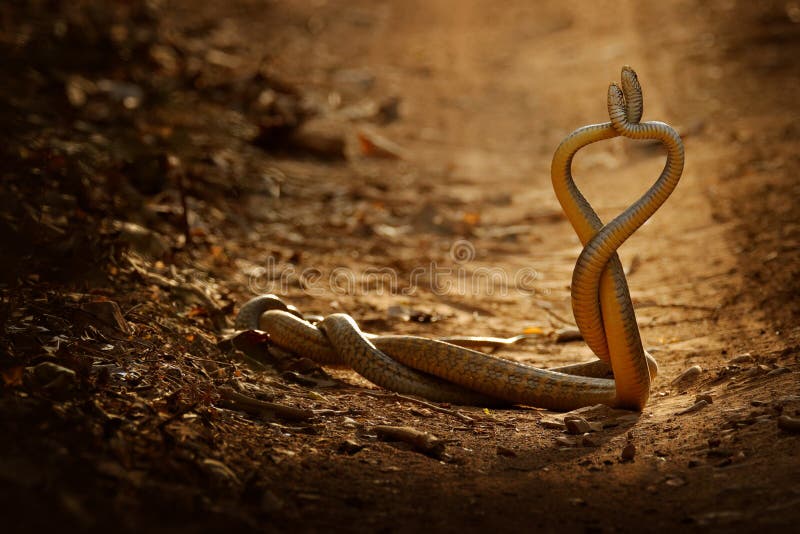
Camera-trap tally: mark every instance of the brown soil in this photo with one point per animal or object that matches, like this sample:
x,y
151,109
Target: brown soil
x,y
219,126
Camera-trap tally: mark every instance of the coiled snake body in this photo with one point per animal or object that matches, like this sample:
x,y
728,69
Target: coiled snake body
x,y
451,372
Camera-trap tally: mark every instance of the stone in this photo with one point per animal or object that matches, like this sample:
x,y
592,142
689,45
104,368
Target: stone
x,y
564,441
628,452
349,447
577,425
687,377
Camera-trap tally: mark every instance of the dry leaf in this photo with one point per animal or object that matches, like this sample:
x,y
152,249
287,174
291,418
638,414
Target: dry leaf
x,y
13,376
537,330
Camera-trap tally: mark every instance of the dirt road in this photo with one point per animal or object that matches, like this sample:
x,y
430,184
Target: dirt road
x,y
486,93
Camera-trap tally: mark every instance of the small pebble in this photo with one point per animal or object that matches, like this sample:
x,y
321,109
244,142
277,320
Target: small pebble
x,y
350,447
577,425
688,376
349,422
564,441
628,452
596,426
675,482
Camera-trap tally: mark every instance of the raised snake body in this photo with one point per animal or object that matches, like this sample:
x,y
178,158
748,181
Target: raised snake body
x,y
604,314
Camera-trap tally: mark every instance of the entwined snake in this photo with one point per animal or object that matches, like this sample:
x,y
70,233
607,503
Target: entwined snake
x,y
448,371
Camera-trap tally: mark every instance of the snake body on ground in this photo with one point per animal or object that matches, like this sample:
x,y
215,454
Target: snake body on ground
x,y
451,372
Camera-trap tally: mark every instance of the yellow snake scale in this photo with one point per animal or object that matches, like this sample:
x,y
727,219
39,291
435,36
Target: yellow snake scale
x,y
447,370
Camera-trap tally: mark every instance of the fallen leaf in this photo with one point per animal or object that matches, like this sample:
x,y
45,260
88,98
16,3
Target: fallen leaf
x,y
13,376
533,330
197,311
472,218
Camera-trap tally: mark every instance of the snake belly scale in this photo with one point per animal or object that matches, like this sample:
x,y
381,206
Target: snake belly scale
x,y
450,371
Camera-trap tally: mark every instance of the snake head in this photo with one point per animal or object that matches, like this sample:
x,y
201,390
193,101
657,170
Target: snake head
x,y
632,90
616,107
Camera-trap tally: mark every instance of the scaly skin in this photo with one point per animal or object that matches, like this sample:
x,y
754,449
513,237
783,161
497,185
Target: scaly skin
x,y
358,351
606,317
622,333
601,303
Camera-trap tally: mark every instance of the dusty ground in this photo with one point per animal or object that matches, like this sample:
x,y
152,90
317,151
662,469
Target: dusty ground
x,y
201,104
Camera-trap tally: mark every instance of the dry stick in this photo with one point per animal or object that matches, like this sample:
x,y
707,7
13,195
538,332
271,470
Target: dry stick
x,y
423,442
234,400
546,306
458,415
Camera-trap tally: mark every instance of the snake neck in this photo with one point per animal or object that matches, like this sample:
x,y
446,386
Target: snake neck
x,y
586,223
577,209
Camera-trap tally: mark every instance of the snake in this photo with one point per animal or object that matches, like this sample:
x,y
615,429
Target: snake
x,y
606,316
450,370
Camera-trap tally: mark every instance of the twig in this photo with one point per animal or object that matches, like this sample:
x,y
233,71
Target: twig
x,y
423,442
234,400
565,335
547,307
463,418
